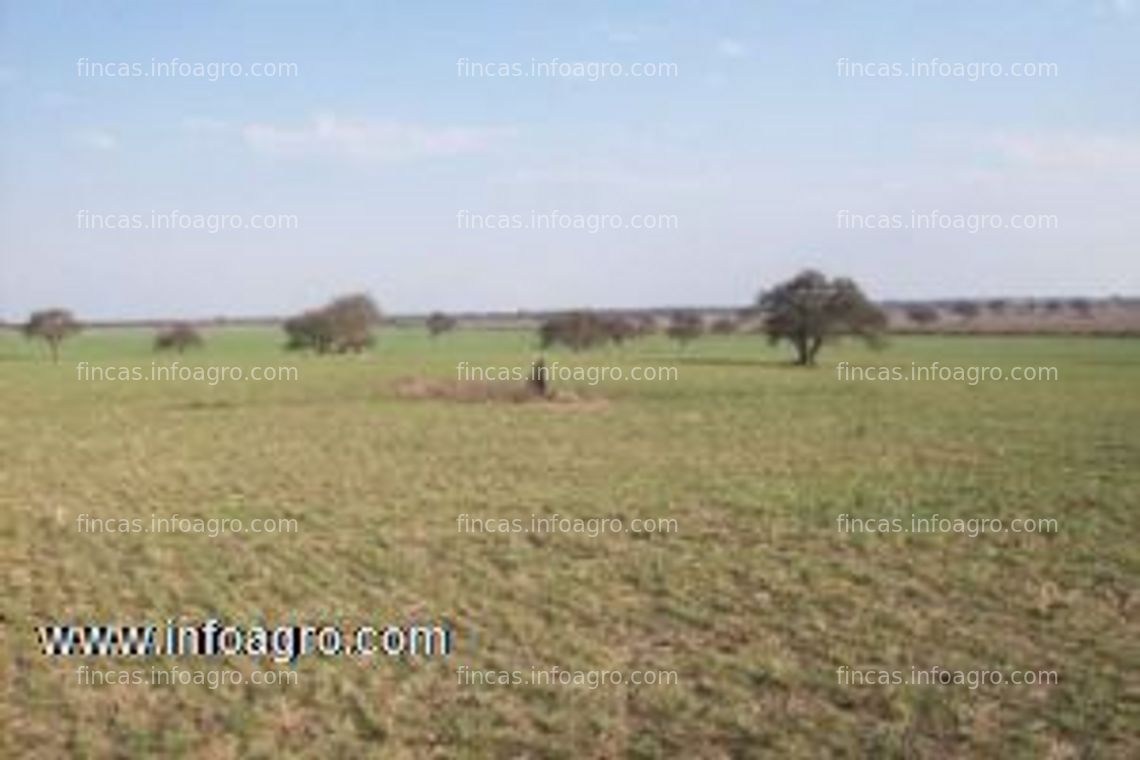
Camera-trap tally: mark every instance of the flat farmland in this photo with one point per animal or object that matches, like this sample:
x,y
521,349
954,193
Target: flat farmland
x,y
755,593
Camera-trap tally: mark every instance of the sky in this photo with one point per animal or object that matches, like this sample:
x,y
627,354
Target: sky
x,y
390,160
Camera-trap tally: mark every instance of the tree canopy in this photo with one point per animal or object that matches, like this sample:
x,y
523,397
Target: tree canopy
x,y
52,326
345,324
810,310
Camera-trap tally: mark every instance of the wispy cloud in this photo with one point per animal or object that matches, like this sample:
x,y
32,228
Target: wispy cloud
x,y
1068,150
379,141
96,139
203,124
730,48
610,177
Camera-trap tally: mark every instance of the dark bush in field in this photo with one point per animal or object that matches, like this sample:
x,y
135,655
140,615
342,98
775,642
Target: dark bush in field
x,y
922,314
179,336
724,326
1081,307
577,330
646,324
52,326
810,309
343,325
997,305
685,326
439,323
620,329
965,309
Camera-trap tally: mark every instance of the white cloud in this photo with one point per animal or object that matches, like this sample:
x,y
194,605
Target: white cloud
x,y
96,139
1114,9
730,48
1068,150
1122,7
600,177
380,141
203,124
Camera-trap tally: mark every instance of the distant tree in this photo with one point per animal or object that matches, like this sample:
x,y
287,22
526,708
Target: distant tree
x,y
619,329
577,330
52,326
922,314
1081,307
684,327
724,326
1052,306
345,324
646,324
309,330
810,310
997,305
439,323
179,336
353,317
965,309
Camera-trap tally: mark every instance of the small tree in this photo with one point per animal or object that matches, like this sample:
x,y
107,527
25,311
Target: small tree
x,y
997,305
439,323
619,330
685,326
645,324
52,326
724,326
179,336
809,310
345,324
577,330
965,309
353,318
922,314
1081,306
310,330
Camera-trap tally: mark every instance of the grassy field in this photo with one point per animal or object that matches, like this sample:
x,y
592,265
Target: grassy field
x,y
755,601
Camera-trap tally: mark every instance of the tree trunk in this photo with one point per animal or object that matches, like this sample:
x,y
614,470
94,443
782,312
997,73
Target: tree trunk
x,y
816,342
801,344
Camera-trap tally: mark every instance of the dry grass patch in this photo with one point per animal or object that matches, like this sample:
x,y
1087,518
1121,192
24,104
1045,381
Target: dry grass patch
x,y
491,391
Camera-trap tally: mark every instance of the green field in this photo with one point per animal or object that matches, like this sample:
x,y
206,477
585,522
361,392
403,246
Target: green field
x,y
754,601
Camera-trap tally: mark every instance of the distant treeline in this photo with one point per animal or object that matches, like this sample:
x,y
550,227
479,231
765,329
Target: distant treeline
x,y
531,318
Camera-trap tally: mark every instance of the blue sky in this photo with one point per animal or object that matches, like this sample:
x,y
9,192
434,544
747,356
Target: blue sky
x,y
753,147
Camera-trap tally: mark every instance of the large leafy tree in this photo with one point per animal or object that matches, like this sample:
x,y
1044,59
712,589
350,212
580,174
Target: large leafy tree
x,y
810,310
52,326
